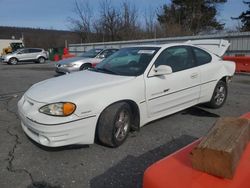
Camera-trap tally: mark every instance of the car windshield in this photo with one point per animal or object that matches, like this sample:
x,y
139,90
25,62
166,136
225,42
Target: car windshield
x,y
91,53
128,61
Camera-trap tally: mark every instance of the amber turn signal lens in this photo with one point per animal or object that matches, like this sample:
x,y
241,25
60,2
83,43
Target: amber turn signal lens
x,y
68,108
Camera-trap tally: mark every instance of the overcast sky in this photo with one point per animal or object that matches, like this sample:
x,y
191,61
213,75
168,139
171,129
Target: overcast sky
x,y
54,13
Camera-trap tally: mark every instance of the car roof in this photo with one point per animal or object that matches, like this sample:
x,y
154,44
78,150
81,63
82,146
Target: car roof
x,y
30,48
110,49
35,48
162,45
168,45
217,47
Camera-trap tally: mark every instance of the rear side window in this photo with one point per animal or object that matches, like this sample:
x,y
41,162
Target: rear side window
x,y
202,57
25,51
34,50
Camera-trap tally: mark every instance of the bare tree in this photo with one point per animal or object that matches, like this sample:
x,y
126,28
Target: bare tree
x,y
130,26
150,23
109,21
82,24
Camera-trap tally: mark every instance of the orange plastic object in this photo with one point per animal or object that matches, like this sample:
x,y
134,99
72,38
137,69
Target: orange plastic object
x,y
175,171
56,57
66,56
65,51
242,62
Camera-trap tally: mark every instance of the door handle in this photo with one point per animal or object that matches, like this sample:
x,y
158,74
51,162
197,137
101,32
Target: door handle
x,y
165,90
194,75
160,93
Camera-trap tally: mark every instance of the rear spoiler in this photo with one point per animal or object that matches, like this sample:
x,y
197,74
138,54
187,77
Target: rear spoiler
x,y
215,46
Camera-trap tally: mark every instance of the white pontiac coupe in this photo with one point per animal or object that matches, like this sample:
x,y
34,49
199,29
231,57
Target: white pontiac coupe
x,y
127,90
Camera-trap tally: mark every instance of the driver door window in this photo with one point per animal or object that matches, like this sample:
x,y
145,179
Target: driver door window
x,y
178,58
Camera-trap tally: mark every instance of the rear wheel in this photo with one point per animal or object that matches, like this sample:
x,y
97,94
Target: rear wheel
x,y
219,96
114,124
13,61
41,60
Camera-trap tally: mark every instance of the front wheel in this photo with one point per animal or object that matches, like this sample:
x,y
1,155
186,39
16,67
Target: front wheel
x,y
13,61
114,124
219,96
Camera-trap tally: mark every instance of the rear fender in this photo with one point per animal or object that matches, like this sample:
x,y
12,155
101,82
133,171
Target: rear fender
x,y
229,68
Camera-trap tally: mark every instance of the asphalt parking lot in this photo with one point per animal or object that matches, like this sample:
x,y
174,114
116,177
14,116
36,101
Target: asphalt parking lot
x,y
26,164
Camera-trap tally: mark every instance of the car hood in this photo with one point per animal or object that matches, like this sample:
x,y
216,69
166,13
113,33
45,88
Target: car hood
x,y
74,59
61,88
7,55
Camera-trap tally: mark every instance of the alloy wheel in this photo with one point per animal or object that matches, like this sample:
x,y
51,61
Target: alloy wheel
x,y
220,95
122,125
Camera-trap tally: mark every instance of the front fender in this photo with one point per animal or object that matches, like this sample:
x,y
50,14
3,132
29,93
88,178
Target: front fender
x,y
94,102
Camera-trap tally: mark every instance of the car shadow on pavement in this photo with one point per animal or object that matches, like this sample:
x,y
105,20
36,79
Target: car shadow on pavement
x,y
198,111
43,184
129,172
61,148
58,74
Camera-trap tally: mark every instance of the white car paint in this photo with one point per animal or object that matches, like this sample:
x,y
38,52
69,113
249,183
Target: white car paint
x,y
215,46
92,92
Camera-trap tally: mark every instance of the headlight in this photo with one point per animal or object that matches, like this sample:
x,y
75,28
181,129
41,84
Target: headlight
x,y
58,109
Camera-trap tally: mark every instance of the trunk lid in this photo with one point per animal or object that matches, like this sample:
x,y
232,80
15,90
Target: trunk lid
x,y
215,46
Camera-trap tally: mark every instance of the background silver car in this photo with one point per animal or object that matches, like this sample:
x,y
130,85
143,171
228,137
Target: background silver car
x,y
84,61
26,54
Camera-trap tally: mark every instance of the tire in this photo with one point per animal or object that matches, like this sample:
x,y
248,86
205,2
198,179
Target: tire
x,y
85,66
114,124
13,61
41,60
219,95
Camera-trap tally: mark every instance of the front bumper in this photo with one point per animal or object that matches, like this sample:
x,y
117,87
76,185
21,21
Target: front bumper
x,y
62,69
81,131
3,60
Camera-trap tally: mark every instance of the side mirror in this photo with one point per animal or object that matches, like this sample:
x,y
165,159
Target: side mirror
x,y
102,56
162,70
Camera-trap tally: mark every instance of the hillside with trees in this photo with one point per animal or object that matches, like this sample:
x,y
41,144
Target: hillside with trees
x,y
43,38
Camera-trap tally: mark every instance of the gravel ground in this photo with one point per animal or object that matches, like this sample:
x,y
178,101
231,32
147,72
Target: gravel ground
x,y
24,163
